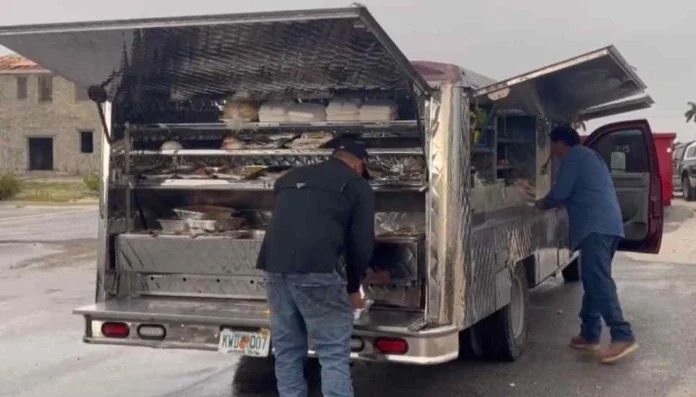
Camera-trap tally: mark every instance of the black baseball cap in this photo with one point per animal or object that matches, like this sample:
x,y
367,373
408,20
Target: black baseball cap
x,y
357,149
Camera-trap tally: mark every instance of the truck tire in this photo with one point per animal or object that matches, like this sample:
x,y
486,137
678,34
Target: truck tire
x,y
502,335
257,375
470,345
689,192
571,273
254,376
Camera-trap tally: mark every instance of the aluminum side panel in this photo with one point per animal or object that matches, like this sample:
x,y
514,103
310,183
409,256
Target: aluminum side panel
x,y
614,108
293,53
103,241
563,90
448,215
504,241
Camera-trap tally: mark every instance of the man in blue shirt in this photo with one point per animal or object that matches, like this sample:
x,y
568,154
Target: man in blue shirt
x,y
585,188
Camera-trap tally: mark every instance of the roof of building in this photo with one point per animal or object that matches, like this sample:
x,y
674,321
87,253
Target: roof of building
x,y
13,62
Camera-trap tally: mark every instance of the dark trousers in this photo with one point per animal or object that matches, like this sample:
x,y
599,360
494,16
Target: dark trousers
x,y
600,299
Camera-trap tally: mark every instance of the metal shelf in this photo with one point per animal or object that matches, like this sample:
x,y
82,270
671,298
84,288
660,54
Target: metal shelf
x,y
404,125
514,141
256,185
482,150
269,152
204,184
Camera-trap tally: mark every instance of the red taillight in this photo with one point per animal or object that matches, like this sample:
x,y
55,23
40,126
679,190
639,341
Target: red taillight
x,y
391,346
115,330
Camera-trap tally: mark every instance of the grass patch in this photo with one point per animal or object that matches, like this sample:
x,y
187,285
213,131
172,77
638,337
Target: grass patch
x,y
58,191
9,186
91,181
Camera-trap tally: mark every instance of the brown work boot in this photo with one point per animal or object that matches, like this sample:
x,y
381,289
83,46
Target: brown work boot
x,y
580,343
616,351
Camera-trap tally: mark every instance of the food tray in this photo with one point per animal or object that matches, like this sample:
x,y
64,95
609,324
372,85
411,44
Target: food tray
x,y
207,212
172,226
193,176
244,234
212,226
156,176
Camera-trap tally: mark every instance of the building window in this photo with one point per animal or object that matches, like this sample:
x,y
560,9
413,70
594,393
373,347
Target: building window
x,y
40,154
80,94
21,88
86,142
45,88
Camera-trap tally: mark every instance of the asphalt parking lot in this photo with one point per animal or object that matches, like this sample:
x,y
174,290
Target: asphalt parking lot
x,y
47,269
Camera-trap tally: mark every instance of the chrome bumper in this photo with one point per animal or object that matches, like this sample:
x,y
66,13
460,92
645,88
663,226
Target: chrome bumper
x,y
190,325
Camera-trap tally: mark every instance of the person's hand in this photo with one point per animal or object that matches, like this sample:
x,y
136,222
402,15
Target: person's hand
x,y
356,301
526,190
377,276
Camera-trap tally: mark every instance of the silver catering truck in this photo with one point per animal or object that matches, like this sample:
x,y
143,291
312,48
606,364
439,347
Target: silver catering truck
x,y
460,240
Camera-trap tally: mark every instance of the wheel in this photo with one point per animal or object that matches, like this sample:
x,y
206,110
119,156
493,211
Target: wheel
x,y
254,375
257,375
689,192
470,345
502,335
571,273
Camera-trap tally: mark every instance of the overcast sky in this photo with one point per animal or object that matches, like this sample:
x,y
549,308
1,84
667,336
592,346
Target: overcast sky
x,y
497,38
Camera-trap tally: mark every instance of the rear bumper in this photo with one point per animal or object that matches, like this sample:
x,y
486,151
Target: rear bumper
x,y
197,325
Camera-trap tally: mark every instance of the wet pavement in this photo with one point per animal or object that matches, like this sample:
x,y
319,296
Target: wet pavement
x,y
47,269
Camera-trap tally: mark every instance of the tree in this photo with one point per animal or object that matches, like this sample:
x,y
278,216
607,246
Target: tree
x,y
691,113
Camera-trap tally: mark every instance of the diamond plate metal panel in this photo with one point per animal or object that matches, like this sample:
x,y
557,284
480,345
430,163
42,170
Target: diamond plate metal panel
x,y
403,259
200,286
562,90
182,254
434,148
505,239
403,296
291,53
394,221
216,267
447,205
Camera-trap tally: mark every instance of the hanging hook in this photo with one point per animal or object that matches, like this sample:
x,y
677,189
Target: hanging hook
x,y
98,95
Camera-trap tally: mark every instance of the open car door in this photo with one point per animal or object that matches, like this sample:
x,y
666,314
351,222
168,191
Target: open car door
x,y
629,151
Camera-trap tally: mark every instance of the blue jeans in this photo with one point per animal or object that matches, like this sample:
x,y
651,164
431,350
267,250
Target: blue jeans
x,y
600,299
310,306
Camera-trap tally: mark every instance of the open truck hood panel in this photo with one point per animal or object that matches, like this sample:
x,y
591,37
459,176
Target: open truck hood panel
x,y
562,91
618,107
262,55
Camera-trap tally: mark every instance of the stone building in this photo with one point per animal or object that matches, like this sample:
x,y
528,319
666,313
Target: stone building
x,y
47,124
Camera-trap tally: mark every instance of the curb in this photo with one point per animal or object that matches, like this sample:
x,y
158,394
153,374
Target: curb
x,y
22,204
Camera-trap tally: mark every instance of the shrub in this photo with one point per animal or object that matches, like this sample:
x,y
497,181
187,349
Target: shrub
x,y
91,180
9,186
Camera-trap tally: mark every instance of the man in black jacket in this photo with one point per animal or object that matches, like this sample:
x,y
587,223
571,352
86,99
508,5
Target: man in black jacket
x,y
316,250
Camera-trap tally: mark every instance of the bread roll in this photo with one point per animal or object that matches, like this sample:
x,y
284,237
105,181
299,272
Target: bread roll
x,y
245,111
232,143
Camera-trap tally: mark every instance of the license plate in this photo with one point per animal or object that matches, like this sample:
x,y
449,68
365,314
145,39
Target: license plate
x,y
255,344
